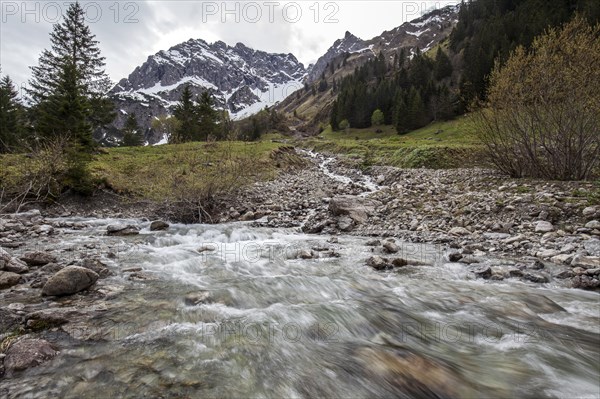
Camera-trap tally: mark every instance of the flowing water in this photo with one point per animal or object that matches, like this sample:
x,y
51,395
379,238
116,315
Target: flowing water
x,y
258,322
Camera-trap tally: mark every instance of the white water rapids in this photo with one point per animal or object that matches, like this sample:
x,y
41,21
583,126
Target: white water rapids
x,y
247,318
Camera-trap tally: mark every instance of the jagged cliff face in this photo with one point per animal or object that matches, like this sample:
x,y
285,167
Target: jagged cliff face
x,y
242,80
349,44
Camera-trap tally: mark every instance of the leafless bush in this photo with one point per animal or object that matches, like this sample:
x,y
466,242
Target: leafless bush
x,y
542,118
35,176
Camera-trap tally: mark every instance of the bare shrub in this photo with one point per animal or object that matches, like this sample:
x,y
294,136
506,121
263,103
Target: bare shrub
x,y
33,177
542,117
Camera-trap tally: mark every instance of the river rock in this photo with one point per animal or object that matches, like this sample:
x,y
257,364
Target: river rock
x,y
51,317
377,262
513,272
484,272
543,227
459,231
70,280
38,258
564,274
197,298
373,243
159,225
469,260
411,375
590,212
304,254
390,247
585,282
400,262
10,264
562,259
593,224
96,266
9,321
16,266
248,216
122,230
345,223
357,208
592,246
535,278
5,257
454,256
496,236
28,353
586,262
8,279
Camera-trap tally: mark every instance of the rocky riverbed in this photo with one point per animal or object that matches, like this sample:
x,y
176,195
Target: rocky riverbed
x,y
474,212
61,276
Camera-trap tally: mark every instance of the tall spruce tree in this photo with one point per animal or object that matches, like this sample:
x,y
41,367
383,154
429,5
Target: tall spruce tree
x,y
11,116
70,76
208,117
132,134
186,114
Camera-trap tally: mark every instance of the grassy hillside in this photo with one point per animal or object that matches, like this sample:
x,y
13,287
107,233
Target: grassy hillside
x,y
438,145
188,172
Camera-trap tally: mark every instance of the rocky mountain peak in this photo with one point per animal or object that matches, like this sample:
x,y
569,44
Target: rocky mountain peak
x,y
243,81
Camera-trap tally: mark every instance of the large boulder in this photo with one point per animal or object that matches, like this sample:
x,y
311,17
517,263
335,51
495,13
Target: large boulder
x,y
28,353
70,280
8,279
357,208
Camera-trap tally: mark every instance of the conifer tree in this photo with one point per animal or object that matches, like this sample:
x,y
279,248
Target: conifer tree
x,y
415,110
400,113
11,116
207,117
185,112
132,134
71,67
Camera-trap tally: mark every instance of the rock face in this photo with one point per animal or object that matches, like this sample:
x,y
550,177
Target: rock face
x,y
349,44
70,280
28,353
242,80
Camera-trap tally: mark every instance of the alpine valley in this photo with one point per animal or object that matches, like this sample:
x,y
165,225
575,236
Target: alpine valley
x,y
244,81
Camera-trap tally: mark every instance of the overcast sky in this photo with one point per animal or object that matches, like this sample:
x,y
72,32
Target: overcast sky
x,y
130,31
